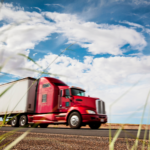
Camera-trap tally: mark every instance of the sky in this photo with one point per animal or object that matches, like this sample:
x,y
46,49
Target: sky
x,y
108,54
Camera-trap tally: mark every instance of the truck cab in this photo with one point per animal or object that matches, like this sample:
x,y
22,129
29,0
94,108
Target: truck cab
x,y
58,103
91,110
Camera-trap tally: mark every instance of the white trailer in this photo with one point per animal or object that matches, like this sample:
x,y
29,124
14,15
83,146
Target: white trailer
x,y
20,98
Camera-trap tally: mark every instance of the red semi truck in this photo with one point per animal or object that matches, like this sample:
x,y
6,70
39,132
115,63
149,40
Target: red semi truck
x,y
50,101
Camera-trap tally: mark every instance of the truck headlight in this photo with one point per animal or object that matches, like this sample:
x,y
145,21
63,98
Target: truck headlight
x,y
90,112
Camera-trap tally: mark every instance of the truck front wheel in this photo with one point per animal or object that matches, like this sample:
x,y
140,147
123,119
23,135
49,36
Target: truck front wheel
x,y
15,121
23,121
75,120
95,125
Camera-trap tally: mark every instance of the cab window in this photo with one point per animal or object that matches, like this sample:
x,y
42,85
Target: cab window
x,y
44,98
46,85
77,92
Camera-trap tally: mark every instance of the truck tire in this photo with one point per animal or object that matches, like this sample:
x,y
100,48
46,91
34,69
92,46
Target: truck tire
x,y
23,121
95,125
75,120
43,125
15,121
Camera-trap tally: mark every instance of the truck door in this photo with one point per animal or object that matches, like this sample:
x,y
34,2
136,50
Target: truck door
x,y
65,102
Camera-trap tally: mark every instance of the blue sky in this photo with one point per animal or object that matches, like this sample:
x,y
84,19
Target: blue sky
x,y
111,51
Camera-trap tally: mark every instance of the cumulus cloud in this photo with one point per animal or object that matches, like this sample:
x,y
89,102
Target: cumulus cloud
x,y
106,71
23,30
97,38
32,27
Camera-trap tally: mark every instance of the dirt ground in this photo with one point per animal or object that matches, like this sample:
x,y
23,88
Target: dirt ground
x,y
40,141
43,141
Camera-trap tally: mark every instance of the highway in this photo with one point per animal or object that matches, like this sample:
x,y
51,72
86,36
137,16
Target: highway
x,y
129,133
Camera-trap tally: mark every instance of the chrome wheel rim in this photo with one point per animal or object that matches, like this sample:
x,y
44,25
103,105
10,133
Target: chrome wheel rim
x,y
14,121
74,120
23,120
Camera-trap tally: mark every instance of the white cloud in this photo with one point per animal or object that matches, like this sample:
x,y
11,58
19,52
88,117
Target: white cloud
x,y
23,30
139,2
135,25
38,8
148,31
34,54
97,38
106,71
55,5
132,24
32,28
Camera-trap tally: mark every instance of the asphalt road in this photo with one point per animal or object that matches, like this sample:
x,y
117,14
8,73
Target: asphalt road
x,y
129,133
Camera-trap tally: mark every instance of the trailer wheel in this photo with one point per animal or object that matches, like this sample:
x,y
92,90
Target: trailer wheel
x,y
43,125
75,120
23,121
95,125
15,121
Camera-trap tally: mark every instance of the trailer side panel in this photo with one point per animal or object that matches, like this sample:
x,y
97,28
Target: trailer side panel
x,y
16,99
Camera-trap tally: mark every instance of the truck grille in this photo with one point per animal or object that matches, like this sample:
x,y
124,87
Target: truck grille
x,y
100,107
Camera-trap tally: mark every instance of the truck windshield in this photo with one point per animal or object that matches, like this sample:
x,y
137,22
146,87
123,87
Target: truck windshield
x,y
77,92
